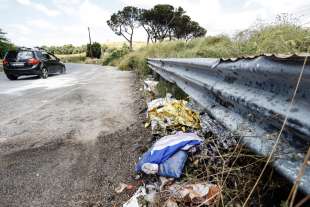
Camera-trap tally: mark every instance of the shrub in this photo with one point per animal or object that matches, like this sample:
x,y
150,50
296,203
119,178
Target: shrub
x,y
281,38
273,38
114,55
94,50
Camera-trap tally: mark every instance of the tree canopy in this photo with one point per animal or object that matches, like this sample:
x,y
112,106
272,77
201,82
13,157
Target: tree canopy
x,y
161,22
5,44
124,22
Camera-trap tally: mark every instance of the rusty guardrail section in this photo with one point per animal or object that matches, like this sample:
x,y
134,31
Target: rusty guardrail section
x,y
250,96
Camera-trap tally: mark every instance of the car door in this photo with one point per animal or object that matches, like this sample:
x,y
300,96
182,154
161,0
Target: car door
x,y
56,65
48,62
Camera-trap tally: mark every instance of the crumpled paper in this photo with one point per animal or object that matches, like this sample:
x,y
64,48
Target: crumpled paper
x,y
199,193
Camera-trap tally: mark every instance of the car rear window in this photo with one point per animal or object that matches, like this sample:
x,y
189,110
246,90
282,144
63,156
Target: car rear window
x,y
11,55
19,55
24,55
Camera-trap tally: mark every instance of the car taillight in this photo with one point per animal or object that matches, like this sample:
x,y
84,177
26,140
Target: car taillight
x,y
33,61
5,62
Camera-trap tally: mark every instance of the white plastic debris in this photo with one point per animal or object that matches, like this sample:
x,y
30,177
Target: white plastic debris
x,y
170,203
122,186
150,85
134,200
159,102
150,168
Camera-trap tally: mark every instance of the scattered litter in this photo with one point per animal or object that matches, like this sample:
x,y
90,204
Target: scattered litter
x,y
152,196
168,155
173,167
164,182
166,114
200,193
178,125
170,203
137,199
159,102
122,186
137,177
150,86
180,128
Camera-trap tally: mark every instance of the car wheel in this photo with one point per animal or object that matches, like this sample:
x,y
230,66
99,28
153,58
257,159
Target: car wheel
x,y
11,77
44,73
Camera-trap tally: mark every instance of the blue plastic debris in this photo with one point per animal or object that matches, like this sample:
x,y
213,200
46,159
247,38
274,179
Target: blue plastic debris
x,y
173,167
168,155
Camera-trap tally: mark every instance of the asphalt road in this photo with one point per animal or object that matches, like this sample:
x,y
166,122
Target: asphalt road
x,y
70,139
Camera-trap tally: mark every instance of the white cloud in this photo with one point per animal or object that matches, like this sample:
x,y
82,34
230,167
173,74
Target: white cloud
x,y
72,30
39,7
20,29
40,24
24,2
68,7
74,16
93,15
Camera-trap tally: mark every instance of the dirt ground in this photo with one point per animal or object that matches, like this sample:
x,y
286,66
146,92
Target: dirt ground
x,y
70,145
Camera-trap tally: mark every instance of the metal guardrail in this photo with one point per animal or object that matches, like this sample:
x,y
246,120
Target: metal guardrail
x,y
250,96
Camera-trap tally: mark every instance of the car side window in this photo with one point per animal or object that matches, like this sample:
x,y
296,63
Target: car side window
x,y
46,56
39,54
52,57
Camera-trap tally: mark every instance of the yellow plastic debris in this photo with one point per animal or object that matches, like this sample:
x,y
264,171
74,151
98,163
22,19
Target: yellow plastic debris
x,y
172,115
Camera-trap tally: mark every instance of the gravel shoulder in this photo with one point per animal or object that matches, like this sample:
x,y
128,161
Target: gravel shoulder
x,y
69,142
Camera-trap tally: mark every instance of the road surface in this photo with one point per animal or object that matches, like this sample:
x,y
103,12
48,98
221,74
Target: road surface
x,y
70,139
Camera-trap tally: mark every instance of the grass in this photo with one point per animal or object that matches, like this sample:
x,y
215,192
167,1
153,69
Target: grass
x,y
280,38
136,44
235,171
75,58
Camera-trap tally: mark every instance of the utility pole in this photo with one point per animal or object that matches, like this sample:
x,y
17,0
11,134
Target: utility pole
x,y
90,49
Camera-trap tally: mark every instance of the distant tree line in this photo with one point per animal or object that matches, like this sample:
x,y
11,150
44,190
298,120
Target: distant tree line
x,y
5,44
65,49
161,22
96,49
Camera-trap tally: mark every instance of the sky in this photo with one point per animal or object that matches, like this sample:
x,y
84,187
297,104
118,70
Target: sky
x,y
57,22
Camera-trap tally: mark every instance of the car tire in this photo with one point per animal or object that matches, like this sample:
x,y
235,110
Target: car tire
x,y
11,77
44,73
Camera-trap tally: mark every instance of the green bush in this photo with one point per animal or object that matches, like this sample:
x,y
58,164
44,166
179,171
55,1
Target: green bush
x,y
114,55
94,50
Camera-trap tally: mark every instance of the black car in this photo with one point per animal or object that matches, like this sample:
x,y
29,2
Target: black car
x,y
27,61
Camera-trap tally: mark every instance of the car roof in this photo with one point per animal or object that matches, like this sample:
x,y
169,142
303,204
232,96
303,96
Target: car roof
x,y
39,49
